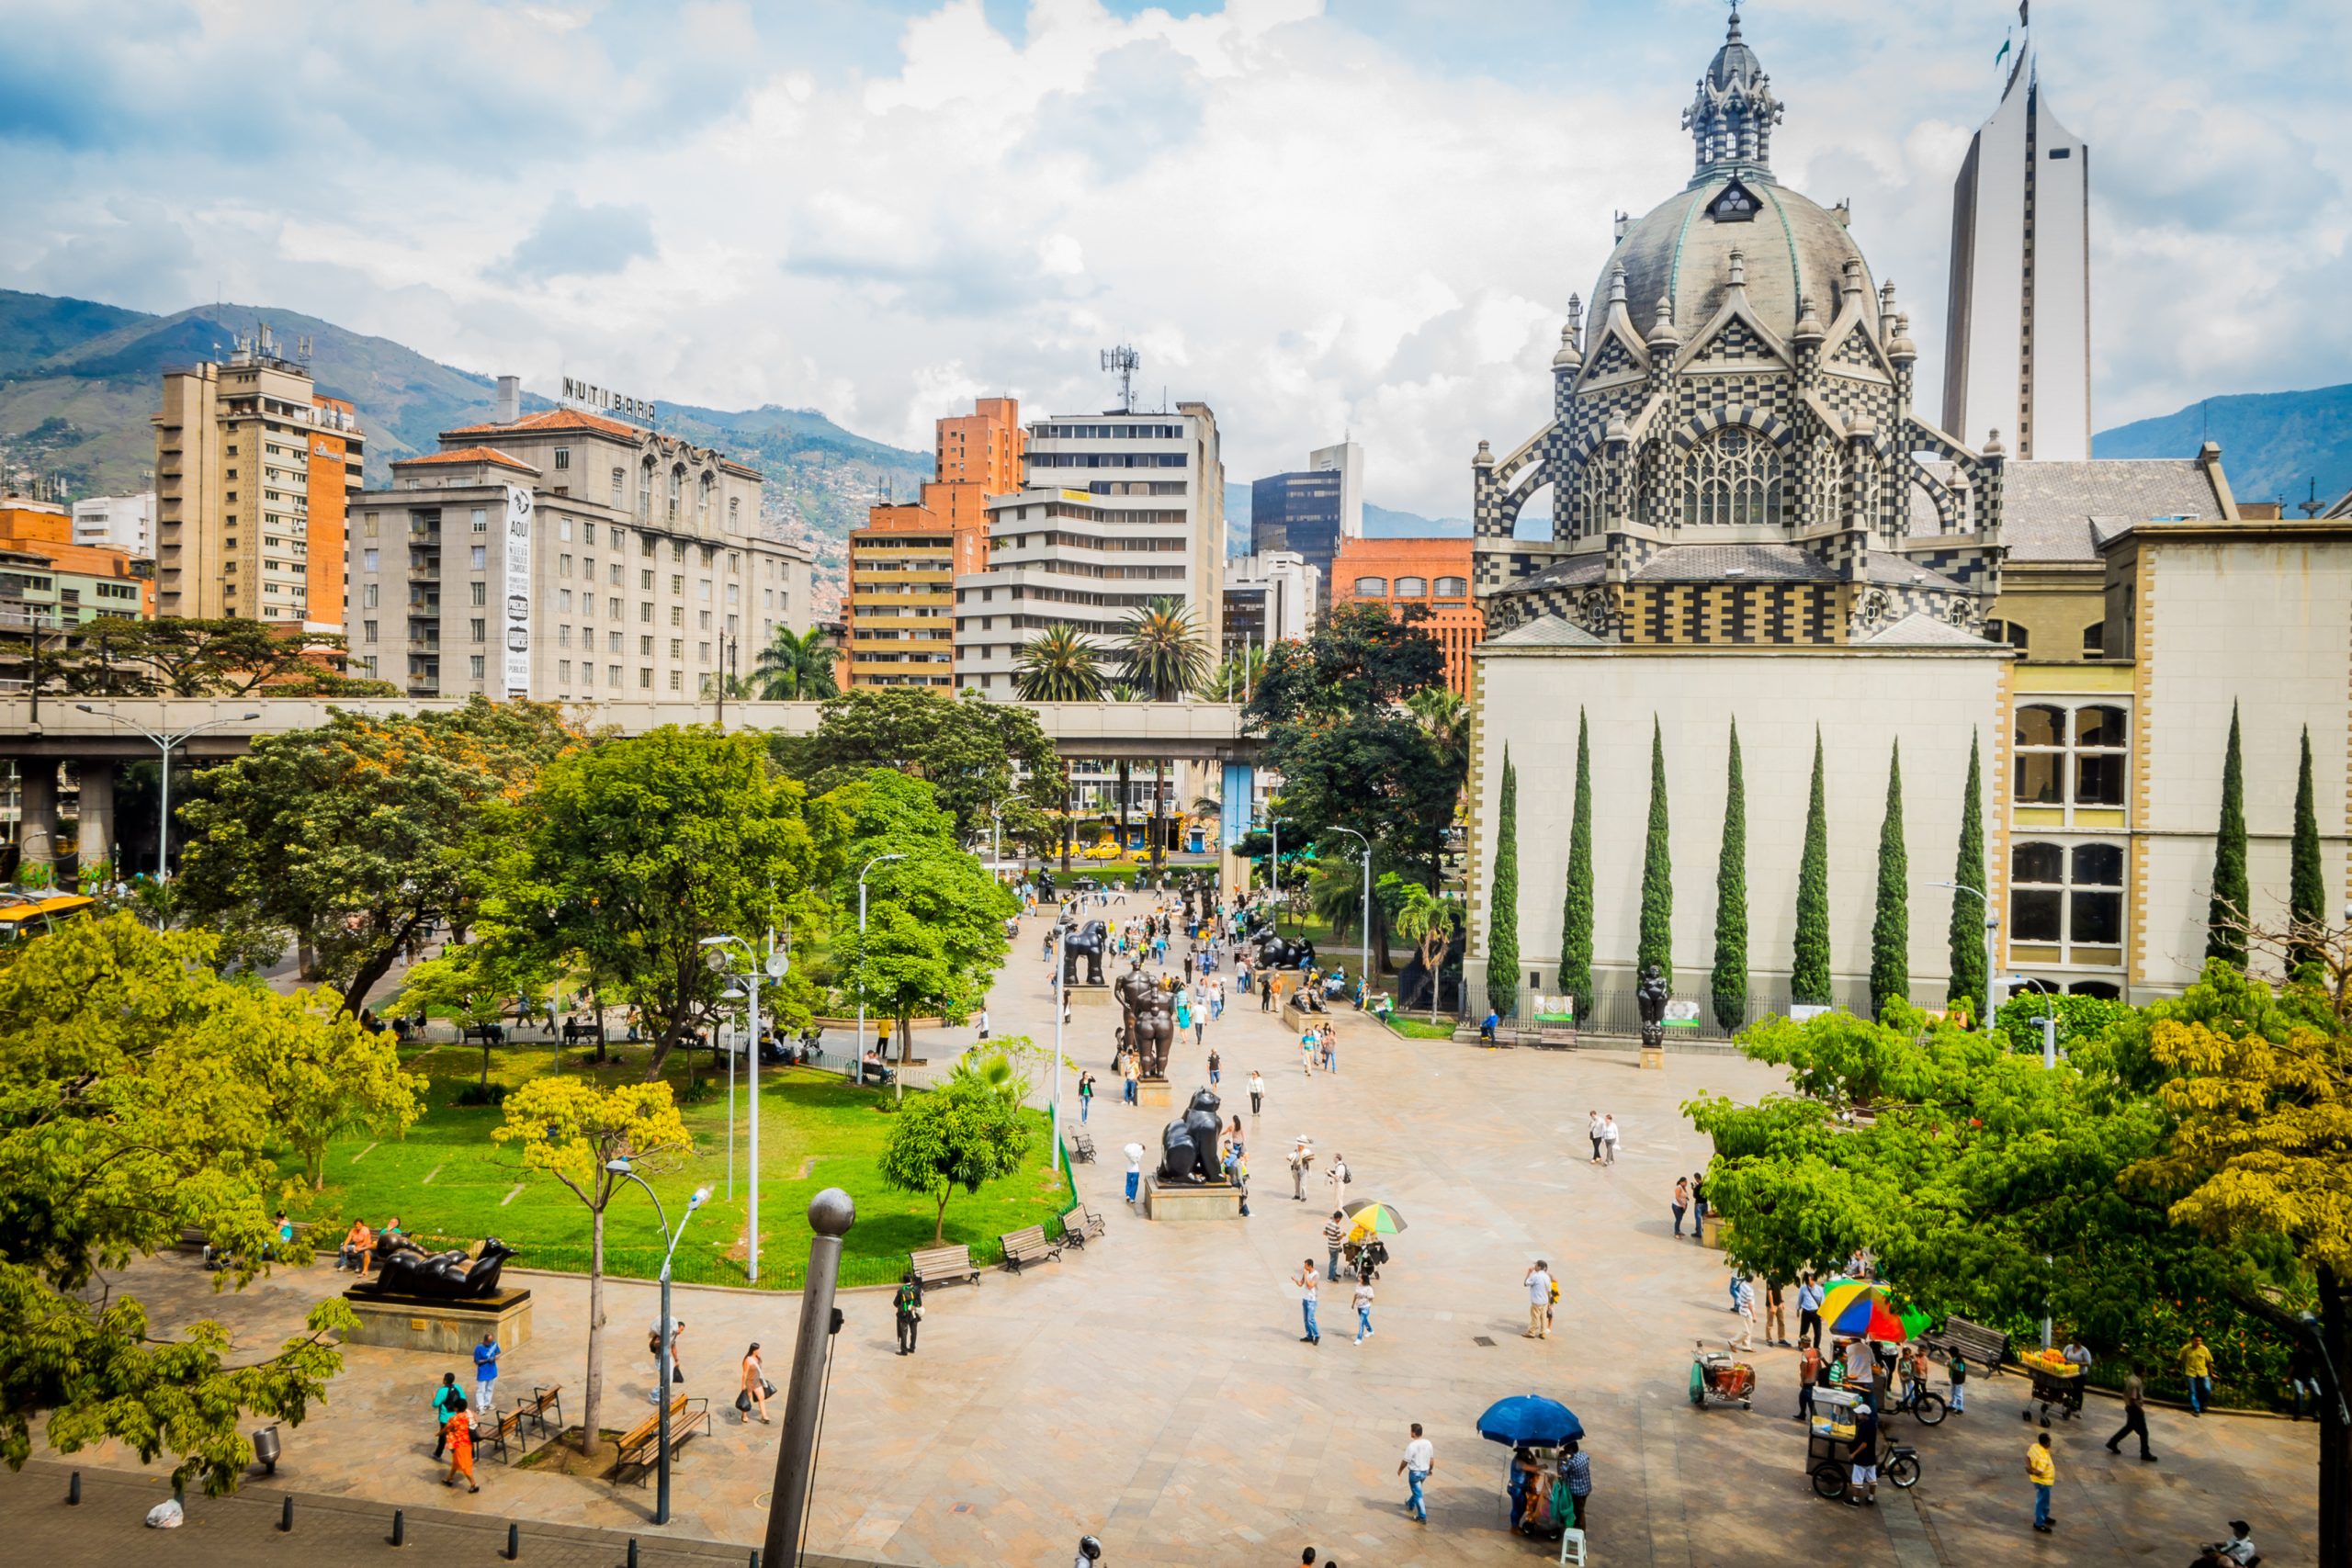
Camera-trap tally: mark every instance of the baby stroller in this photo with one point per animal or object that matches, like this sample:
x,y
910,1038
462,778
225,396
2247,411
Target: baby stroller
x,y
1369,1259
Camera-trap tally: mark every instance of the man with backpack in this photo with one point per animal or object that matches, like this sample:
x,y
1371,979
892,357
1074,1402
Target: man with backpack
x,y
448,1400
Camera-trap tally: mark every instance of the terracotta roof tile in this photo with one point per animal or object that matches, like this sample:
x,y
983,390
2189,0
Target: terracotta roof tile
x,y
554,419
467,454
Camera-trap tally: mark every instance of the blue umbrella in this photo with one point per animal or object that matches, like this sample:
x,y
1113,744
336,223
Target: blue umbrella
x,y
1529,1418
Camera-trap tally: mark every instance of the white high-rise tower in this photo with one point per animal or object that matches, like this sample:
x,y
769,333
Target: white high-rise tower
x,y
2019,337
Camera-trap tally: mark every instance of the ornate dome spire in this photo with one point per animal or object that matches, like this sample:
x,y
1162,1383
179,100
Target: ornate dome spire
x,y
1731,120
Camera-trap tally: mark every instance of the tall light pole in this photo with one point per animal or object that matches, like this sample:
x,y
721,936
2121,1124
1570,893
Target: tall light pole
x,y
1363,979
774,966
1062,923
831,1214
166,742
661,1363
858,1056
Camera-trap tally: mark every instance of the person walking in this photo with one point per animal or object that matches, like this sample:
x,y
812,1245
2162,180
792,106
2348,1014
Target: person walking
x,y
1127,1077
1592,1130
1085,1096
1419,1459
1862,1480
1681,1200
1335,1236
1699,1206
1134,1170
1808,1377
1257,1091
1307,1041
2197,1366
1363,1303
1810,1296
448,1400
2135,1414
1744,1296
1776,1315
1339,1176
1576,1468
1608,1140
2042,1468
1302,1160
1215,1064
753,1394
486,1374
1958,1372
908,1303
1305,1281
1538,1281
462,1448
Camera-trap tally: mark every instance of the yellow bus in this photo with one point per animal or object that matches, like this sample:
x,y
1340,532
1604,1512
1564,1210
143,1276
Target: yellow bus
x,y
25,915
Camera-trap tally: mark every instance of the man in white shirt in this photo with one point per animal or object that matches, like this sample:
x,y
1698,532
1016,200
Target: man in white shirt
x,y
1305,1282
1539,1302
1415,1467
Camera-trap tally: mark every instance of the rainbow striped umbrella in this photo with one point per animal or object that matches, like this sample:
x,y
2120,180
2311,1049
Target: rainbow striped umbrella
x,y
1857,1309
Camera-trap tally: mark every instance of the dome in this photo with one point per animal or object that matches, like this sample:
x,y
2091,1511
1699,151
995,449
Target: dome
x,y
1792,250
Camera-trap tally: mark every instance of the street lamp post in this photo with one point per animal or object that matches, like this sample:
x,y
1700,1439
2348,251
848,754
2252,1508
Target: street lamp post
x,y
166,742
661,1363
1992,925
1061,968
1363,978
857,1054
774,966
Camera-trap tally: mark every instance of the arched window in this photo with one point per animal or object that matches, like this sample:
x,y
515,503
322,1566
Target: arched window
x,y
1452,588
2076,757
645,490
702,501
2095,640
2067,900
1412,588
677,491
1732,478
1371,587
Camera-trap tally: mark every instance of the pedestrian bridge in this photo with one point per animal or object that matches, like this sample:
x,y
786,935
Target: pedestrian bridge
x,y
224,726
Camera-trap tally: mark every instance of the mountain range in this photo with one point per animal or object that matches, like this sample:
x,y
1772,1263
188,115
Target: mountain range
x,y
2275,446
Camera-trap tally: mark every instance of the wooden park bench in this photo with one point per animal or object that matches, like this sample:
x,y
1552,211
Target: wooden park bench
x,y
1028,1246
938,1265
534,1409
640,1446
1082,1147
1985,1348
1079,1225
494,1435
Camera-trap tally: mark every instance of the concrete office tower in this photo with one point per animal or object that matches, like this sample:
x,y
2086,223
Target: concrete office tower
x,y
125,523
1346,459
1119,509
255,475
2019,327
1272,597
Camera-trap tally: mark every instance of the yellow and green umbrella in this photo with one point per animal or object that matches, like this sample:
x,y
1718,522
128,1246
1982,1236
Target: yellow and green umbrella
x,y
1370,1219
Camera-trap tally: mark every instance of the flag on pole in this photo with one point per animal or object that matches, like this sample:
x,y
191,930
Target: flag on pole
x,y
2004,54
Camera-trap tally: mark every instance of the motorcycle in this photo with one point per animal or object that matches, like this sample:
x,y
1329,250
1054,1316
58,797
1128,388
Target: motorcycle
x,y
1716,1375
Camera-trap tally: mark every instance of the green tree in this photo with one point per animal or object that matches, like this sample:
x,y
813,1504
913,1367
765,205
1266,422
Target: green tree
x,y
475,983
795,666
186,656
1429,922
363,836
569,1128
1730,979
978,756
1502,903
1658,872
1970,982
934,933
964,1134
138,1095
1160,648
2306,879
1576,905
1809,973
1058,666
636,850
1891,924
2229,909
1333,711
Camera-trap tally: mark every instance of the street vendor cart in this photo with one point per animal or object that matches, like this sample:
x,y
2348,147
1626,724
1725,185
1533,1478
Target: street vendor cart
x,y
1830,1446
2057,1380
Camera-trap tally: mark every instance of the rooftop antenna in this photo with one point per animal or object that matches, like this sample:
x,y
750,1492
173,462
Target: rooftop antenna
x,y
1121,361
2312,507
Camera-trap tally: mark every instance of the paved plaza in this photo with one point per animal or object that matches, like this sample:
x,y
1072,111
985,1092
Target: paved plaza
x,y
1153,1389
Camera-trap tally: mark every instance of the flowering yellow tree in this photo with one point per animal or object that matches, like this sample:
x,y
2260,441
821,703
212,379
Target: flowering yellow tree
x,y
573,1131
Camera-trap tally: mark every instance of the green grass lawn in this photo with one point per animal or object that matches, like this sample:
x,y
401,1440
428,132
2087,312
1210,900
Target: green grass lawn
x,y
446,1179
1418,1027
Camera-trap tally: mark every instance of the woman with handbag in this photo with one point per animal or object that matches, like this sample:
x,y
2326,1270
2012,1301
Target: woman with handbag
x,y
908,1301
753,1395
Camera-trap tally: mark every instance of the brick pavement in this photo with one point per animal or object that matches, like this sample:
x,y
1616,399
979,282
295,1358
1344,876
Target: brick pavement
x,y
1152,1389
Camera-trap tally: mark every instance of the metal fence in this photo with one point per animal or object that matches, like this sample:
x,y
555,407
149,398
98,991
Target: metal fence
x,y
1614,1009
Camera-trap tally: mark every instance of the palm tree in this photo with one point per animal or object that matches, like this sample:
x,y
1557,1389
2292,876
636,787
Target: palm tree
x,y
1160,649
795,668
1126,692
1443,713
1058,666
1236,677
1336,894
1424,917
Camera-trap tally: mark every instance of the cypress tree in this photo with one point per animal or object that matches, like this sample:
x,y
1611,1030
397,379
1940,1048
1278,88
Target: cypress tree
x,y
1730,901
1968,979
1575,909
2307,881
1809,975
1891,926
2225,915
1658,872
1502,909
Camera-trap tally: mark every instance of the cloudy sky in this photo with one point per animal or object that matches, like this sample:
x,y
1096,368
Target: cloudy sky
x,y
1361,216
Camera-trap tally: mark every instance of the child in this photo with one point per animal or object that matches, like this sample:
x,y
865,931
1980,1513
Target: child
x,y
1958,1382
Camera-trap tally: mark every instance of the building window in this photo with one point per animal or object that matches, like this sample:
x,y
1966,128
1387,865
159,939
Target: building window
x,y
368,596
1453,588
564,670
1372,587
564,457
474,665
1732,478
677,680
1997,630
480,557
480,593
2095,640
619,476
367,631
478,630
1412,588
367,560
2071,756
367,525
2068,901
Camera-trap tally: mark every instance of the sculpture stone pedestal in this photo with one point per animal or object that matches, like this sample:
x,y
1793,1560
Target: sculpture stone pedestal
x,y
442,1327
1182,1201
1653,1047
1153,1092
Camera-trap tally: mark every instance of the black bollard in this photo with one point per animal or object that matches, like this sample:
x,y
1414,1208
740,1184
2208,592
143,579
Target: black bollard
x,y
632,1552
755,1557
514,1541
286,1516
400,1528
73,1490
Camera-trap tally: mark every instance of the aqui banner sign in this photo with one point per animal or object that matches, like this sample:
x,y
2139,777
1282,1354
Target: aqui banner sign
x,y
518,639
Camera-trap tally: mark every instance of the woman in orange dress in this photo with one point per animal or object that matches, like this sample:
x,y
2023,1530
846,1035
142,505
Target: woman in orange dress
x,y
461,1452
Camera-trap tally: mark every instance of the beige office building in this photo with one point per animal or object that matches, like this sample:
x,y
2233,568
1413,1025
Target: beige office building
x,y
255,475
567,557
